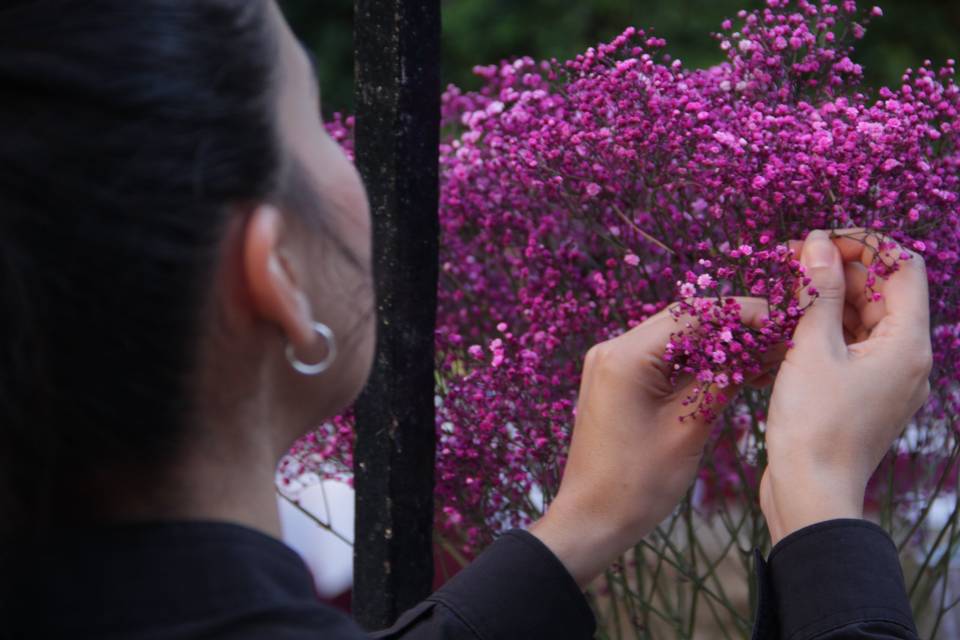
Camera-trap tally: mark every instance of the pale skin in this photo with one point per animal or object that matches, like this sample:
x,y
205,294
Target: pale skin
x,y
876,353
842,395
631,458
630,461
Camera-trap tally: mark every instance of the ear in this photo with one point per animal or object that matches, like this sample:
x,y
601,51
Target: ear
x,y
274,289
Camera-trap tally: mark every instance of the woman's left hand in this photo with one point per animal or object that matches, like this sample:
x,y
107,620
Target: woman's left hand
x,y
631,458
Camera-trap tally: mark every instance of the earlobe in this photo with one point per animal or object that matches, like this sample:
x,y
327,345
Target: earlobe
x,y
274,289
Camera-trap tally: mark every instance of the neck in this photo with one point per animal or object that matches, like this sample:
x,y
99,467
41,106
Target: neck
x,y
225,473
225,469
211,487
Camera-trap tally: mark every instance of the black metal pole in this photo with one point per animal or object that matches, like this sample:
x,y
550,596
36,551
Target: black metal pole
x,y
397,47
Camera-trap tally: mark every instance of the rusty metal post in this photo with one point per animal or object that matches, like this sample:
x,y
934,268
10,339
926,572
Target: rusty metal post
x,y
397,47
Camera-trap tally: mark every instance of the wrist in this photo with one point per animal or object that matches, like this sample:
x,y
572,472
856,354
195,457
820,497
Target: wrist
x,y
803,497
585,542
794,516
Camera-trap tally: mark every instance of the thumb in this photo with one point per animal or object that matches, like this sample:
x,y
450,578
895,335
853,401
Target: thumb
x,y
822,323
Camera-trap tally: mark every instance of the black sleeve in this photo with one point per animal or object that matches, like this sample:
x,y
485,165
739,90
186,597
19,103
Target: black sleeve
x,y
832,580
517,588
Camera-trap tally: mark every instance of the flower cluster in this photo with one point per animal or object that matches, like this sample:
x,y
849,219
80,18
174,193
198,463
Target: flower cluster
x,y
712,345
579,198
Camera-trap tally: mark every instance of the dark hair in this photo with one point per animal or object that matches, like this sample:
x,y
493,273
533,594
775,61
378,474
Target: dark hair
x,y
128,129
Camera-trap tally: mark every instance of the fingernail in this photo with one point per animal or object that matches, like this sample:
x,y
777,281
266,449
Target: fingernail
x,y
819,250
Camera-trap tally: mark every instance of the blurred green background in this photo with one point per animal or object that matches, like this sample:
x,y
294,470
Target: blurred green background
x,y
486,31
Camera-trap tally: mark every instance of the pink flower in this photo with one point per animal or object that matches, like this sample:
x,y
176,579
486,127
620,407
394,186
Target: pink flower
x,y
454,517
701,175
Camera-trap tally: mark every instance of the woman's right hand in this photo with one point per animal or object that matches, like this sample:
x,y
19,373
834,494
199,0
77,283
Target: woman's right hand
x,y
857,373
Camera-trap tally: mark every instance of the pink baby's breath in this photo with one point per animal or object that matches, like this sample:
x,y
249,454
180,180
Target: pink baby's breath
x,y
579,198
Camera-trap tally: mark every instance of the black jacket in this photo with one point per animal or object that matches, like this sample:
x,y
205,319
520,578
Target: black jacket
x,y
178,581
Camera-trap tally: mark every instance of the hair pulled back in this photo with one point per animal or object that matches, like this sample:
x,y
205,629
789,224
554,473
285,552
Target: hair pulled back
x,y
128,129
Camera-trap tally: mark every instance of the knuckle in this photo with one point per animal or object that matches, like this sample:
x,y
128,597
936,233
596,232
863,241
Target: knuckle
x,y
596,355
827,283
604,357
830,291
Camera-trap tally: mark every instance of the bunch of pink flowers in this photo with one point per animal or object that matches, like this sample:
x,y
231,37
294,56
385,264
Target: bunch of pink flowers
x,y
579,198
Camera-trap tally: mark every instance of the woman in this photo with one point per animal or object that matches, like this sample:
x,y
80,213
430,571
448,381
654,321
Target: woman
x,y
185,272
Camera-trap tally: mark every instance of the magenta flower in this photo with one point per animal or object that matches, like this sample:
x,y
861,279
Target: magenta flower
x,y
579,198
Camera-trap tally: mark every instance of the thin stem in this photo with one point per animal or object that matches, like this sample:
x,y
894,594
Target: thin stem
x,y
929,503
326,526
614,609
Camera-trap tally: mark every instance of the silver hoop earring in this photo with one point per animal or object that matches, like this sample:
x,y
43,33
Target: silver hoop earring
x,y
315,369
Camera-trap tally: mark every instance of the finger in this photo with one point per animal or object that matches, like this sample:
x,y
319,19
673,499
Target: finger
x,y
857,245
851,319
905,291
906,295
822,322
869,311
754,312
856,275
853,327
854,244
653,335
711,399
